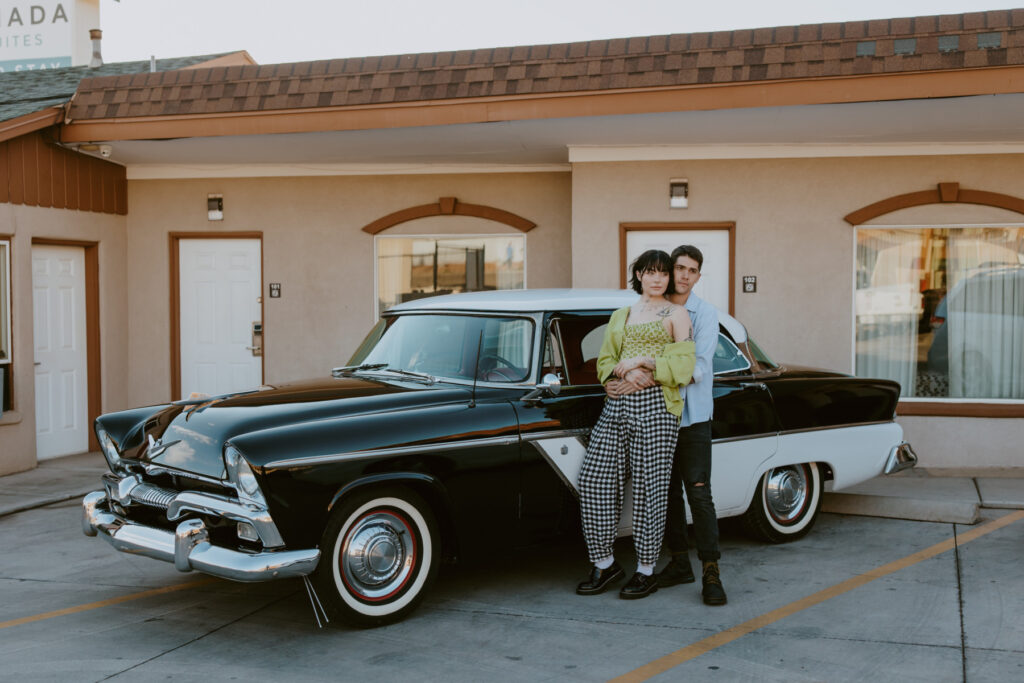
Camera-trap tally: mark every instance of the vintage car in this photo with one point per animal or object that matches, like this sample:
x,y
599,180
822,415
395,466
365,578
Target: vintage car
x,y
459,424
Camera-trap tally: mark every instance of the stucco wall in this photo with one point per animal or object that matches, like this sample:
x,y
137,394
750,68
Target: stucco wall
x,y
314,246
790,233
17,428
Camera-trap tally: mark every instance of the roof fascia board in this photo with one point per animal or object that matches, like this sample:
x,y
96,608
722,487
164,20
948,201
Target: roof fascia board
x,y
181,171
29,123
594,153
793,92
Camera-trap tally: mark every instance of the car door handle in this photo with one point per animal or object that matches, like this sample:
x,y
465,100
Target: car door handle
x,y
754,385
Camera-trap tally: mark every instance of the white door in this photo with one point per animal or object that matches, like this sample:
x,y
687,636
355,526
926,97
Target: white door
x,y
58,296
713,244
220,303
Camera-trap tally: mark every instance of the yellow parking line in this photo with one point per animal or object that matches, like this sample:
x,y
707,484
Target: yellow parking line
x,y
104,603
663,664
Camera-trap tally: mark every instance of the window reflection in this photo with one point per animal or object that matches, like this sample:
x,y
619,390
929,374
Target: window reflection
x,y
941,310
410,268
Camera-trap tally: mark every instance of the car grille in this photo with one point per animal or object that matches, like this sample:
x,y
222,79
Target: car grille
x,y
154,496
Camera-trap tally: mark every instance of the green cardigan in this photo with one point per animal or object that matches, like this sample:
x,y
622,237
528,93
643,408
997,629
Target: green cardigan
x,y
672,369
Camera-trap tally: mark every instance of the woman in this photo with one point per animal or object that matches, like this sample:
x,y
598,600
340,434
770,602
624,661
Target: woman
x,y
636,433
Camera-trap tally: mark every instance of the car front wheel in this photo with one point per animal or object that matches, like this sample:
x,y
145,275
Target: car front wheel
x,y
786,503
379,554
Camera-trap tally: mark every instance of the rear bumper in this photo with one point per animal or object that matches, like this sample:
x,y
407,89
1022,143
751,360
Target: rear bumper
x,y
901,457
188,546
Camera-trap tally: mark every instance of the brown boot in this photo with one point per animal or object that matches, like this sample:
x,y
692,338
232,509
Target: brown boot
x,y
713,592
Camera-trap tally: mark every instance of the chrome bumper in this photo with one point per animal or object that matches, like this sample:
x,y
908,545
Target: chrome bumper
x,y
901,457
188,546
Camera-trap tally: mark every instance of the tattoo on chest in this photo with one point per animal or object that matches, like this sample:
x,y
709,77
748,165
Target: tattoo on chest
x,y
665,312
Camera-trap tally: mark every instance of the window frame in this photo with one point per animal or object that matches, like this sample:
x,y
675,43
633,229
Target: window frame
x,y
6,319
439,236
931,406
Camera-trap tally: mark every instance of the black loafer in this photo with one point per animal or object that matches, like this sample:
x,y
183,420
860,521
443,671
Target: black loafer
x,y
640,586
675,572
600,579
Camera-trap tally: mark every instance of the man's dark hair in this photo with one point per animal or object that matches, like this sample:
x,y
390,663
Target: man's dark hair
x,y
688,250
651,260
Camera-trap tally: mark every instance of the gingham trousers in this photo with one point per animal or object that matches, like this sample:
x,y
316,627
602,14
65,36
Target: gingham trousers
x,y
634,437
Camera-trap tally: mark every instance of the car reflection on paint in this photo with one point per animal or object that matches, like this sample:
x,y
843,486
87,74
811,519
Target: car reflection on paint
x,y
458,426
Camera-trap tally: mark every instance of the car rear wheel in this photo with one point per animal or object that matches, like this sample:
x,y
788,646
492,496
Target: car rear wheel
x,y
786,503
379,554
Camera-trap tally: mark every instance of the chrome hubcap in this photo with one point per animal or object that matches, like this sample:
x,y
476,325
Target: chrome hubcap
x,y
378,555
786,493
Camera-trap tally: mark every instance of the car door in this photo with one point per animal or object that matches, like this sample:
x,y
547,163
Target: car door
x,y
744,427
555,429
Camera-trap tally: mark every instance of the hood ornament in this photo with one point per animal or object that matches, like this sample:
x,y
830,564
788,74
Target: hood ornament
x,y
157,446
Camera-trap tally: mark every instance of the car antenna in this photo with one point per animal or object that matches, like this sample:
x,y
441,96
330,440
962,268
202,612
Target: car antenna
x,y
476,370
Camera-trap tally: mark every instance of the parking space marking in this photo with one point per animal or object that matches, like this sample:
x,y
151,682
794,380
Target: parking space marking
x,y
671,660
105,603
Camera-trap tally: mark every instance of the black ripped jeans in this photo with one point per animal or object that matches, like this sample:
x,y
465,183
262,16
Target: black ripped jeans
x,y
692,466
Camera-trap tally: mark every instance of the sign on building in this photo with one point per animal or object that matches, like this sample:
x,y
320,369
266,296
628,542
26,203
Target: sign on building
x,y
46,34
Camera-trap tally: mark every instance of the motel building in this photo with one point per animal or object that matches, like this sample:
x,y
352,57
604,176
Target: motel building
x,y
208,224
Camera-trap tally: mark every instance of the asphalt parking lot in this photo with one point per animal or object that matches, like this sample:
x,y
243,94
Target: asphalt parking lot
x,y
859,599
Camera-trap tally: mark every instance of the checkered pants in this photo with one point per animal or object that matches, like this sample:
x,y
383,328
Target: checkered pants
x,y
634,437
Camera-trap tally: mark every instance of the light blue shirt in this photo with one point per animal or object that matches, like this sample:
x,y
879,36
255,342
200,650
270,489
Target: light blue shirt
x,y
700,403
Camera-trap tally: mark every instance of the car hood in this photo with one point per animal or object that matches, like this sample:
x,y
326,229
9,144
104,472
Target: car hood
x,y
191,437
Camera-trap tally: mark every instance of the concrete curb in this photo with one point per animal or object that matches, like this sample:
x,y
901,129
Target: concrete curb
x,y
921,510
43,501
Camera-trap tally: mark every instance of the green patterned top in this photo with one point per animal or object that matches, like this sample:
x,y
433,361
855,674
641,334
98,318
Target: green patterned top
x,y
645,339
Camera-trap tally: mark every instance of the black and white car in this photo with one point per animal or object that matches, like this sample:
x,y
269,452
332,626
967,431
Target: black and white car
x,y
459,424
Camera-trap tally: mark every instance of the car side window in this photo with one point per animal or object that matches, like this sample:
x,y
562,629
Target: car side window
x,y
576,343
728,358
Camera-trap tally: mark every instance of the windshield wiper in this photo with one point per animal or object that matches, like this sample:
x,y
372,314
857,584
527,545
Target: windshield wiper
x,y
349,369
429,379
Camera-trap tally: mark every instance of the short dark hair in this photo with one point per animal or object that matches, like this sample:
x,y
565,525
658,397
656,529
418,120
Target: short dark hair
x,y
655,260
688,250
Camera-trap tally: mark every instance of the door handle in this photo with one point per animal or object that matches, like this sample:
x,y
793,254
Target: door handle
x,y
37,363
754,385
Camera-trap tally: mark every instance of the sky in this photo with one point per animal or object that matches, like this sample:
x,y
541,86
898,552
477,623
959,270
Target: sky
x,y
302,30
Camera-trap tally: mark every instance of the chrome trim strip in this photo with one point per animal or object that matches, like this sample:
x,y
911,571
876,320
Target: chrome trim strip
x,y
397,450
188,547
746,437
536,436
153,469
901,457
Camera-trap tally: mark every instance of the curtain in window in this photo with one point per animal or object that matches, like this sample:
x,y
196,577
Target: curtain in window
x,y
985,313
888,305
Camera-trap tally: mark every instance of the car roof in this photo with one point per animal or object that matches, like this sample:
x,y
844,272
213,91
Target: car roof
x,y
537,300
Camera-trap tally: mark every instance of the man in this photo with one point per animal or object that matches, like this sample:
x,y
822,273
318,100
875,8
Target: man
x,y
691,468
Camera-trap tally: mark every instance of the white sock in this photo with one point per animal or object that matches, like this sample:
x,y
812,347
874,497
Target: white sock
x,y
645,569
605,563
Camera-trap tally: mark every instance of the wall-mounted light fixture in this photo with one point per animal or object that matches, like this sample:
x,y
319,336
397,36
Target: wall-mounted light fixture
x,y
215,207
678,193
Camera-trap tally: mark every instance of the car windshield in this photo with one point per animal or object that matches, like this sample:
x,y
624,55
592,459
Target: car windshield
x,y
445,346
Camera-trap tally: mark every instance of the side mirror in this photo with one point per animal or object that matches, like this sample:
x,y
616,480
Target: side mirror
x,y
549,385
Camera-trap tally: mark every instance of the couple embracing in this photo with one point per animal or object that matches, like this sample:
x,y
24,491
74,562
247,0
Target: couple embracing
x,y
655,429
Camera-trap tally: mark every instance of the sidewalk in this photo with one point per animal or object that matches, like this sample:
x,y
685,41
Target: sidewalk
x,y
932,495
53,481
917,494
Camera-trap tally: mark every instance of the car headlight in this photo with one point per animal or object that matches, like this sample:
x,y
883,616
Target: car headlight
x,y
242,476
109,449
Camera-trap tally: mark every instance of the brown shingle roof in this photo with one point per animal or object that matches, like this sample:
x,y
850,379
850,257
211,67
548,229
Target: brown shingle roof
x,y
785,52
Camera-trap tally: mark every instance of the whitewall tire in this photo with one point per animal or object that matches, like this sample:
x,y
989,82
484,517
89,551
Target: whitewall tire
x,y
786,503
379,555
